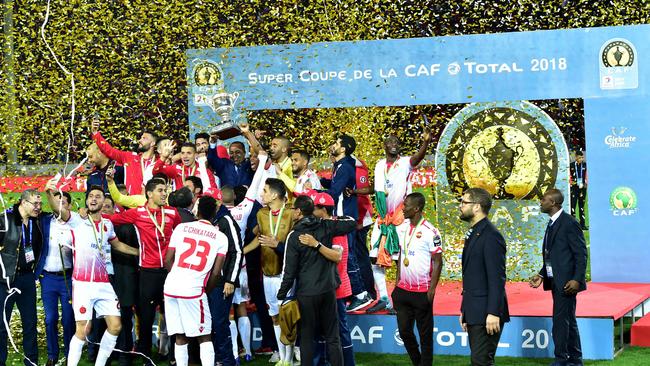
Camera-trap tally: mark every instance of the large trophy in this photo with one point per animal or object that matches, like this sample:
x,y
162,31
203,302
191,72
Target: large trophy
x,y
501,160
210,91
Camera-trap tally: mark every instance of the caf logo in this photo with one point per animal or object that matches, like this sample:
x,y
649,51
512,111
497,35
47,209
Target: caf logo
x,y
207,73
618,54
623,201
82,310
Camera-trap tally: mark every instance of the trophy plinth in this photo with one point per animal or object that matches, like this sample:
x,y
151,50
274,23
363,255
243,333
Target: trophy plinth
x,y
225,130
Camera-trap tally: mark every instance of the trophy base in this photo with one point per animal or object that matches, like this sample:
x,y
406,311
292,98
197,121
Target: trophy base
x,y
225,130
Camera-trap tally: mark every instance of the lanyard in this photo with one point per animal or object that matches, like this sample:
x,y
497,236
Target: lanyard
x,y
407,243
582,168
183,171
99,239
29,223
161,227
387,168
274,230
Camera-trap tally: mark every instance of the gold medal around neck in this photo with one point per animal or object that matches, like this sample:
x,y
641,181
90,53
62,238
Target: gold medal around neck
x,y
406,262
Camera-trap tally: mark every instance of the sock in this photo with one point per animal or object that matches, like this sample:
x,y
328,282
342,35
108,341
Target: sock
x,y
163,338
276,329
181,356
244,326
74,354
379,274
362,295
288,353
206,350
106,347
233,337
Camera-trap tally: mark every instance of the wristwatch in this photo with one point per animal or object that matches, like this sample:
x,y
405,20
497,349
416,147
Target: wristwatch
x,y
317,247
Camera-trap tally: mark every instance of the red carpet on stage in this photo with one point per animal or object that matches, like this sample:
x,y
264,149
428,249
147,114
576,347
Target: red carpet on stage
x,y
599,300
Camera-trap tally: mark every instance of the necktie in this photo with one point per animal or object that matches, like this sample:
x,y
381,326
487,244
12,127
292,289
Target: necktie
x,y
546,234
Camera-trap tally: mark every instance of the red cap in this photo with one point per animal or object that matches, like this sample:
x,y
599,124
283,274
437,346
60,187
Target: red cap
x,y
214,193
323,199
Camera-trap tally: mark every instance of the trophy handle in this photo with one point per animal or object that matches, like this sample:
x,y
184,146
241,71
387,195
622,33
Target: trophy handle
x,y
481,152
519,150
235,96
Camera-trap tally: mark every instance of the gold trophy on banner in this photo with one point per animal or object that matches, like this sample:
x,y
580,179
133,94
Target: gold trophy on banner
x,y
210,91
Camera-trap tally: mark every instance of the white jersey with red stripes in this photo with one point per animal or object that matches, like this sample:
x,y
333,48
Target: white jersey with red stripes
x,y
197,244
395,180
418,245
91,248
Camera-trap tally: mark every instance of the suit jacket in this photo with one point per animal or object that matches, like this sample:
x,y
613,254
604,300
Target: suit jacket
x,y
567,253
484,275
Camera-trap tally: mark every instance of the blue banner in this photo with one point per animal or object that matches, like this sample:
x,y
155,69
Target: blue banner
x,y
604,66
618,141
521,337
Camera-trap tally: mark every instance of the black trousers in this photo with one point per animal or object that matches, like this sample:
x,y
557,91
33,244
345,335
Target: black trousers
x,y
578,201
152,281
318,315
565,328
482,346
363,260
414,308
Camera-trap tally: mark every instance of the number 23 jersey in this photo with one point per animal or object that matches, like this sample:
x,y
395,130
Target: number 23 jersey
x,y
197,245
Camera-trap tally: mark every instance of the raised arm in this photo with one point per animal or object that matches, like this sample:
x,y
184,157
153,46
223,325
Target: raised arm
x,y
254,144
128,201
55,202
106,148
422,151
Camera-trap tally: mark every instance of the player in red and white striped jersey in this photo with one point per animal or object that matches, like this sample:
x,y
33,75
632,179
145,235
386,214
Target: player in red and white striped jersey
x,y
91,240
195,256
419,266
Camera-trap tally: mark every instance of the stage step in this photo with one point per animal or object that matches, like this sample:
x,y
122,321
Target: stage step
x,y
641,332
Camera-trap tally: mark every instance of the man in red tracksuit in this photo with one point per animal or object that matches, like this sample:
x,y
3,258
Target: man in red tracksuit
x,y
154,222
138,167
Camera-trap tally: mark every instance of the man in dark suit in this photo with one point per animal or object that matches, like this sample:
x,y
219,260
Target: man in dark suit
x,y
578,180
484,308
563,273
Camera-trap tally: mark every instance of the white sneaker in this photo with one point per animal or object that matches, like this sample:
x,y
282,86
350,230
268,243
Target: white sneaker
x,y
275,357
296,353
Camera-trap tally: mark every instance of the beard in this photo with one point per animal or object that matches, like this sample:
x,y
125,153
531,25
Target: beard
x,y
467,217
141,149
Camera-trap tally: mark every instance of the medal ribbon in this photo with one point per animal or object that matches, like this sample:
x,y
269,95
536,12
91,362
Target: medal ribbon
x,y
407,243
274,229
161,227
98,239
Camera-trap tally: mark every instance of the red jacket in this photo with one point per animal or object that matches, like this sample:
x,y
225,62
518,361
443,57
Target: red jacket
x,y
132,162
153,244
178,172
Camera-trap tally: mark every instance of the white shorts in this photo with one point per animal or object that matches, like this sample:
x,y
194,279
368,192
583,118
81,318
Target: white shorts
x,y
242,294
188,316
271,288
374,237
100,296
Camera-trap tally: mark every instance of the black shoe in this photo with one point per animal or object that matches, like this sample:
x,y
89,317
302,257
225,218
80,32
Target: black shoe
x,y
51,362
358,304
379,306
